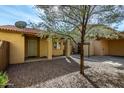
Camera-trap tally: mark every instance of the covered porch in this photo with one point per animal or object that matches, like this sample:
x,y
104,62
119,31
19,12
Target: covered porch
x,y
37,48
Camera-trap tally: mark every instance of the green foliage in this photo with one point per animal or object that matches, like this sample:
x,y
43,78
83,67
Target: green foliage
x,y
68,17
96,32
3,79
64,19
102,31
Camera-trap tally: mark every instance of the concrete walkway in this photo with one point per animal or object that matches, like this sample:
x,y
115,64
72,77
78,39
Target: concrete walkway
x,y
103,59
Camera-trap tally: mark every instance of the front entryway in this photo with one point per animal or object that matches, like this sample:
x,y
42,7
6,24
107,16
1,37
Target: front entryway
x,y
32,48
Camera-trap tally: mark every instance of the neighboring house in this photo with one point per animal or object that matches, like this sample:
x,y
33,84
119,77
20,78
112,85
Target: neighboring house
x,y
111,43
25,43
111,47
102,40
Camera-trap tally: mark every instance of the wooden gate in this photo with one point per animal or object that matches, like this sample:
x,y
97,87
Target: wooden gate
x,y
4,55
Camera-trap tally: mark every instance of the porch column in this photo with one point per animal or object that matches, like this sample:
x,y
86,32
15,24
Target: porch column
x,y
68,48
49,48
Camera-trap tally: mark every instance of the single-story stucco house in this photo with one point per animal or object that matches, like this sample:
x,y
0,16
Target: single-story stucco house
x,y
25,43
114,47
102,40
104,47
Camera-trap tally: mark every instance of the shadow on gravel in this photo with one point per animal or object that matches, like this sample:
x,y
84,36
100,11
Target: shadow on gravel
x,y
106,80
85,67
91,82
120,67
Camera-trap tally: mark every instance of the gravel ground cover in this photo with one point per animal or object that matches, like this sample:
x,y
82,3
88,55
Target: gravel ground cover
x,y
46,73
64,73
104,71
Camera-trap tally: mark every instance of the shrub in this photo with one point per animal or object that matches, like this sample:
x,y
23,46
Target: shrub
x,y
3,79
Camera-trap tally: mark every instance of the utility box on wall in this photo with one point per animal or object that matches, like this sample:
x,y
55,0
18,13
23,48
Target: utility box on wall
x,y
4,55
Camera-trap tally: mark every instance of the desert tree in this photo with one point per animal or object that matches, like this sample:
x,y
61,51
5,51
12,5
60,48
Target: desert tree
x,y
63,19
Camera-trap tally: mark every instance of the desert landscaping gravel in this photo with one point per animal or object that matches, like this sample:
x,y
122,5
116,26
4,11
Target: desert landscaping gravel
x,y
105,71
64,73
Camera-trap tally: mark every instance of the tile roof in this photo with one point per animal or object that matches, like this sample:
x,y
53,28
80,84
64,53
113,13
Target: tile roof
x,y
12,28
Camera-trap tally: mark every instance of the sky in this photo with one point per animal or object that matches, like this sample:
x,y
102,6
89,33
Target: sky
x,y
9,14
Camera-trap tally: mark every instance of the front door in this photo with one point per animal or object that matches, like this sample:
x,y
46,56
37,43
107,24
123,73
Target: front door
x,y
32,48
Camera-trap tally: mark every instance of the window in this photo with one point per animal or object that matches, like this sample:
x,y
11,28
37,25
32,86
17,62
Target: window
x,y
57,45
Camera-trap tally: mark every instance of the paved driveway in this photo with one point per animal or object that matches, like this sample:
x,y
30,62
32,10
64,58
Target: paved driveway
x,y
104,71
115,60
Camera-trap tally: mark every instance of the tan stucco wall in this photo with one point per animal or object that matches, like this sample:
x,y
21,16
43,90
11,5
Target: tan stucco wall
x,y
43,47
16,46
68,48
109,47
91,47
85,50
105,47
100,47
49,48
58,52
116,47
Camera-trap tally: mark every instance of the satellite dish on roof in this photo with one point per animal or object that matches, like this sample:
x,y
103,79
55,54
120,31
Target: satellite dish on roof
x,y
21,24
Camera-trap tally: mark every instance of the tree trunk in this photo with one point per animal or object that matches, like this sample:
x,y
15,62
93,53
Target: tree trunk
x,y
82,51
81,59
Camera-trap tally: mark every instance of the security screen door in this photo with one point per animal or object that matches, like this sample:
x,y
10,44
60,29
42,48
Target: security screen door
x,y
32,47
